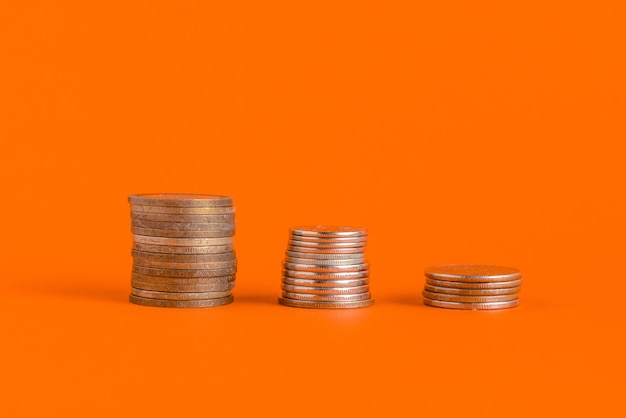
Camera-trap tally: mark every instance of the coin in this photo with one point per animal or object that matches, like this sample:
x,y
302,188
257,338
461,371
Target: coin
x,y
207,303
484,285
176,249
328,231
320,275
182,242
472,292
180,200
183,226
472,273
184,281
151,294
327,245
322,250
471,306
325,290
331,241
318,256
162,287
181,234
325,305
214,265
161,217
172,210
472,299
324,263
324,282
185,258
326,298
172,273
324,268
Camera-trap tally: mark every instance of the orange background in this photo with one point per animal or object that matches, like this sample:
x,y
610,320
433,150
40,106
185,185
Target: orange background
x,y
482,132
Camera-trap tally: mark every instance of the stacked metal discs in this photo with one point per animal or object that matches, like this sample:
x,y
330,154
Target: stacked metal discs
x,y
325,268
469,286
183,255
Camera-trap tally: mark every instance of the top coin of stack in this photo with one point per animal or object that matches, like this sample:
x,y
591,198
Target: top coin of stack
x,y
183,255
325,268
471,286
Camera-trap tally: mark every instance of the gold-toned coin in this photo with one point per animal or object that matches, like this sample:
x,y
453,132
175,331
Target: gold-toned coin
x,y
321,275
471,306
164,217
170,233
468,299
182,242
321,268
173,210
207,303
326,298
475,285
328,231
472,273
325,305
325,282
180,200
214,265
185,258
321,256
472,292
177,249
323,263
151,294
180,288
185,281
183,226
325,290
159,272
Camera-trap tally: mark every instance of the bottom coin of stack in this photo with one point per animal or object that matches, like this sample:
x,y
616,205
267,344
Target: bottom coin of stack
x,y
473,287
325,269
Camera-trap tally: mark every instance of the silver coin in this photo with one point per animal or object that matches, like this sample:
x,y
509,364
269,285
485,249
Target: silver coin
x,y
326,298
325,290
183,226
215,265
185,258
172,273
472,273
330,241
326,245
164,217
180,200
173,249
471,306
322,283
325,268
474,285
172,210
181,234
325,305
328,231
324,263
321,250
182,242
472,292
322,256
320,275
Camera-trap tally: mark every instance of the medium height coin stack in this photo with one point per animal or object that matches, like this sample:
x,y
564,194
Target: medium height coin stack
x,y
471,286
325,268
183,255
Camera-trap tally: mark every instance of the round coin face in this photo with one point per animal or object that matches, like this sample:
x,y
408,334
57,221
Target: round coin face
x,y
472,273
474,285
328,231
471,299
325,290
208,303
325,282
472,292
325,305
471,306
173,210
180,200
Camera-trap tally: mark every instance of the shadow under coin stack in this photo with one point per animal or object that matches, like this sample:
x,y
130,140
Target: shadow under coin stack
x,y
325,268
183,255
474,287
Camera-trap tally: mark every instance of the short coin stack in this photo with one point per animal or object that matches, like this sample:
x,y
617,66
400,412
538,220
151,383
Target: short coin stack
x,y
470,286
183,255
325,268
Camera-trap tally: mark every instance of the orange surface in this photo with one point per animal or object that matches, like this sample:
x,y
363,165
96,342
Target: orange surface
x,y
482,131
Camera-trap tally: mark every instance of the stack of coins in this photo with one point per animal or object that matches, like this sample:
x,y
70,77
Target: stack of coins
x,y
183,255
469,286
325,268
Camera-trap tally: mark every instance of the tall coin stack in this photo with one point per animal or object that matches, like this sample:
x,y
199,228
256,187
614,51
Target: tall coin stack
x,y
325,268
183,255
470,286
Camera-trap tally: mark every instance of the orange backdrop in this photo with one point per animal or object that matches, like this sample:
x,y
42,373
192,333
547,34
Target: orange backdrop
x,y
481,132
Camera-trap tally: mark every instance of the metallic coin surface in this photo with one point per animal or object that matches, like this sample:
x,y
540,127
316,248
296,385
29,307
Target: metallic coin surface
x,y
214,265
159,272
327,245
152,294
318,256
320,275
325,305
326,298
328,231
161,217
180,200
472,292
180,288
472,299
208,303
181,234
184,281
471,306
324,263
325,282
182,242
325,268
185,258
183,226
475,285
472,273
318,250
178,249
325,290
173,210
330,241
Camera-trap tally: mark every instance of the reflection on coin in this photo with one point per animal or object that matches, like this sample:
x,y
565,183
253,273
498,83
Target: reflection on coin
x,y
161,287
177,249
317,275
183,226
183,242
326,245
314,250
321,256
472,273
151,294
180,200
484,285
328,231
159,272
184,281
138,261
172,210
161,217
458,298
472,292
471,306
331,241
181,234
325,263
326,298
185,258
324,290
325,268
207,303
325,282
325,305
